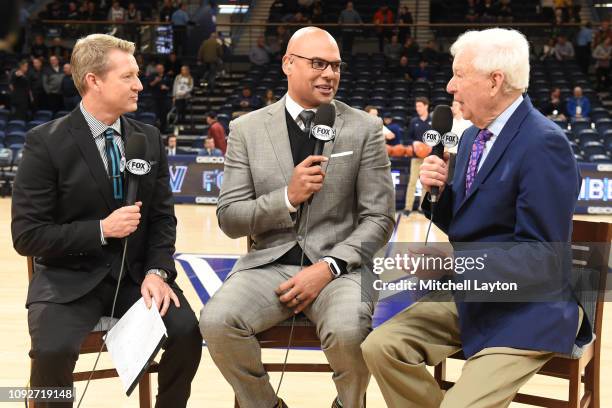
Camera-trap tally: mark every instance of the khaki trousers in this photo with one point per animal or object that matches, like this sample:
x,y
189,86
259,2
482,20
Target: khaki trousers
x,y
415,168
426,333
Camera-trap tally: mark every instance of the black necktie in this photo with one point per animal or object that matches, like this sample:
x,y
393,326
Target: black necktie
x,y
306,117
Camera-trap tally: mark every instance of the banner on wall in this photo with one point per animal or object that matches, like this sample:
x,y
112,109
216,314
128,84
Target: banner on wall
x,y
197,179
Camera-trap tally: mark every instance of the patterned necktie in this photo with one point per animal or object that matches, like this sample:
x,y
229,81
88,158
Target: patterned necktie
x,y
113,155
306,117
477,148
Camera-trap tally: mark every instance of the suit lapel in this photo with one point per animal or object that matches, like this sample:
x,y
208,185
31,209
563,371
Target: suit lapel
x,y
508,133
91,156
328,148
278,136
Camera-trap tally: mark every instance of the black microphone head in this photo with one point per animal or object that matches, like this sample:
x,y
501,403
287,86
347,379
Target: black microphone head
x,y
442,119
135,147
323,122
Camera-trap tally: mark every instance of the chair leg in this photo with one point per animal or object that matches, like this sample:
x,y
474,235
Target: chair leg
x,y
144,391
574,385
440,373
591,382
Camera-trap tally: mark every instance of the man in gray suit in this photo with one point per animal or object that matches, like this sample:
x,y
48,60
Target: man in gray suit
x,y
301,263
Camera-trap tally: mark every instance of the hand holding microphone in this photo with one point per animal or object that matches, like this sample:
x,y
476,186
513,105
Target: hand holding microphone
x,y
434,170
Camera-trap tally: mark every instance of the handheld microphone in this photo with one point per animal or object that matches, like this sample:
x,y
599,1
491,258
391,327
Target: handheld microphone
x,y
440,137
136,166
323,129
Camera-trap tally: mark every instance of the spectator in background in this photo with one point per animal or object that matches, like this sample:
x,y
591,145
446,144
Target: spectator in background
x,y
160,86
488,11
394,128
564,50
269,98
554,108
430,53
173,65
70,94
117,14
418,125
278,11
504,12
259,55
411,50
246,102
52,83
210,149
24,18
166,11
57,48
404,17
35,78
422,72
602,54
91,13
73,11
20,91
216,132
578,106
387,134
317,14
39,49
403,70
602,33
471,13
133,16
393,51
210,56
181,91
583,47
349,16
459,123
548,51
180,19
383,15
172,148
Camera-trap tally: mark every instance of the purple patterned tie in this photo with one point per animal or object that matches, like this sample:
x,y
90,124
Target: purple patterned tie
x,y
477,148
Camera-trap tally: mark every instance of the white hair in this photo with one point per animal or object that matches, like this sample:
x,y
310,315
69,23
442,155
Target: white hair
x,y
498,49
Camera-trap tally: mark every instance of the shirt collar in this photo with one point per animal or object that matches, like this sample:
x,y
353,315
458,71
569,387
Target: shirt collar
x,y
97,127
499,122
294,108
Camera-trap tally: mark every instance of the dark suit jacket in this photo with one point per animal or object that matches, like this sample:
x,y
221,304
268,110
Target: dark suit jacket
x,y
525,192
61,193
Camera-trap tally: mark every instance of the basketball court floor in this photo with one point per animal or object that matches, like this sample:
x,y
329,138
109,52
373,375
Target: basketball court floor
x,y
199,237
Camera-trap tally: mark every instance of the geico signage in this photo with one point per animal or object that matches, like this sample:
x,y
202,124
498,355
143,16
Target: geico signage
x,y
323,132
138,167
431,137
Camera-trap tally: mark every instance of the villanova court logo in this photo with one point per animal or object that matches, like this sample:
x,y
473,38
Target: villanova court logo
x,y
177,177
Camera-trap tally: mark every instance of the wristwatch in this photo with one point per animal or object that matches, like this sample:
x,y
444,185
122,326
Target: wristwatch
x,y
159,272
333,266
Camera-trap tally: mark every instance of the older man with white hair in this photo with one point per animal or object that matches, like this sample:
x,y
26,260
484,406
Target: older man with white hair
x,y
516,183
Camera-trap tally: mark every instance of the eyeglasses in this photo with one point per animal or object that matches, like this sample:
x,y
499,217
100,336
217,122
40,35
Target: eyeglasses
x,y
321,65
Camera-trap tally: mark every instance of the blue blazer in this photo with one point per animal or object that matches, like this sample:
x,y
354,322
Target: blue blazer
x,y
525,192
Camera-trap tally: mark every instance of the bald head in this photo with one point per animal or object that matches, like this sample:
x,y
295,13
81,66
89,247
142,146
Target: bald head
x,y
312,36
307,52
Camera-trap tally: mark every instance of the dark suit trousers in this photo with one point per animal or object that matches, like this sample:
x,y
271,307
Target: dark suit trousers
x,y
57,331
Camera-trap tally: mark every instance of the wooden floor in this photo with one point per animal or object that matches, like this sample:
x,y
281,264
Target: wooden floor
x,y
198,233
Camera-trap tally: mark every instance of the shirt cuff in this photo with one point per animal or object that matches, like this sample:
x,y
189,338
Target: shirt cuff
x,y
291,208
102,239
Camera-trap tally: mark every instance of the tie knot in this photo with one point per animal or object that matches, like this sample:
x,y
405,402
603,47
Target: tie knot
x,y
484,135
306,117
109,133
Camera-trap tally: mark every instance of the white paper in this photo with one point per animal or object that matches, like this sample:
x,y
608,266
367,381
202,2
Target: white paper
x,y
133,340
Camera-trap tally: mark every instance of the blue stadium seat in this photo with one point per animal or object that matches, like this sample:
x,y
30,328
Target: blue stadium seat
x,y
588,135
33,123
598,114
593,148
579,125
15,126
13,138
579,157
562,123
2,136
2,124
603,125
600,158
147,117
607,137
43,115
4,114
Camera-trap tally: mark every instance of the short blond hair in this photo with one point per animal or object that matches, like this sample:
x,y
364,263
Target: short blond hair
x,y
90,54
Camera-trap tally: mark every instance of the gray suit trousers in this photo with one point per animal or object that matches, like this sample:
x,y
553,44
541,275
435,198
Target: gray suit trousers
x,y
246,304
